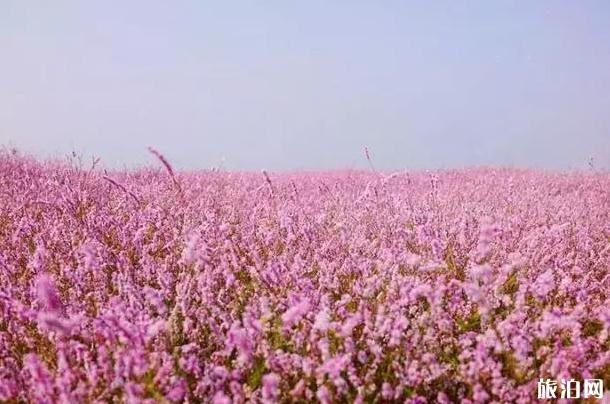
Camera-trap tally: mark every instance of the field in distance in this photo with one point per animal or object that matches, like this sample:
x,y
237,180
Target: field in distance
x,y
354,286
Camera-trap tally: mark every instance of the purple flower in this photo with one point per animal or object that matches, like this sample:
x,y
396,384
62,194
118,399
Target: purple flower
x,y
323,395
238,338
48,295
270,391
325,287
221,398
322,321
295,313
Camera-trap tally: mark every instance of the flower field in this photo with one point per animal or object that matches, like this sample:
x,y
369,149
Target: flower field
x,y
155,285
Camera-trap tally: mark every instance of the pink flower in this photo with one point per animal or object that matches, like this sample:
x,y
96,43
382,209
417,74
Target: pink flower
x,y
544,284
322,321
221,398
238,338
48,295
270,392
295,313
323,395
53,322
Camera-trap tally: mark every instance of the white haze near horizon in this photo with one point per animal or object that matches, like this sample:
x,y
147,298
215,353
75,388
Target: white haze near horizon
x,y
306,85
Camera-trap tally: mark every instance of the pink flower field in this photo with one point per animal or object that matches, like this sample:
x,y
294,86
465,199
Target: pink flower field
x,y
156,285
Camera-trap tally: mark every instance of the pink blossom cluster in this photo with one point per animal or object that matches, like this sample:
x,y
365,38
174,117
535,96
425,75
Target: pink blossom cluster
x,y
157,285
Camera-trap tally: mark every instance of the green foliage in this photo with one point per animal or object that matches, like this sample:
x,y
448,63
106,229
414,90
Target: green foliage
x,y
592,327
257,371
472,323
511,285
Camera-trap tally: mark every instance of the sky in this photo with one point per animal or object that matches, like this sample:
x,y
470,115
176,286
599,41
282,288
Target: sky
x,y
285,85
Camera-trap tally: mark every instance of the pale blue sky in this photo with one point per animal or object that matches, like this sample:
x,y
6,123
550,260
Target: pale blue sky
x,y
288,85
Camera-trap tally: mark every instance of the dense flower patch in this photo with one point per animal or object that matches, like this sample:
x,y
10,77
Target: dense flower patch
x,y
345,286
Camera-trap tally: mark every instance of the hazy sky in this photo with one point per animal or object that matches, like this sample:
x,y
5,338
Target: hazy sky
x,y
287,84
